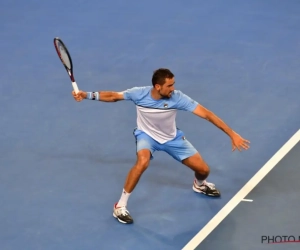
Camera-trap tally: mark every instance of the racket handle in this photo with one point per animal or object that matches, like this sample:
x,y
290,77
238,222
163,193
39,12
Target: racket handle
x,y
75,87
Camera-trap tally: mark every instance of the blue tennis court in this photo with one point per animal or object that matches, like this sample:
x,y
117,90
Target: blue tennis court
x,y
266,218
63,164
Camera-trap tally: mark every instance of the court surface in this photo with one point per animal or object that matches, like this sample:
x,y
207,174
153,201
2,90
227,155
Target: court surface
x,y
63,163
267,218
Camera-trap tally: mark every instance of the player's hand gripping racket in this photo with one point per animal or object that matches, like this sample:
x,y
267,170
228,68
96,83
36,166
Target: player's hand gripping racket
x,y
65,58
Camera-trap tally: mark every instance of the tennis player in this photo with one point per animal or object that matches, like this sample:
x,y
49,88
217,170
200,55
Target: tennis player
x,y
156,131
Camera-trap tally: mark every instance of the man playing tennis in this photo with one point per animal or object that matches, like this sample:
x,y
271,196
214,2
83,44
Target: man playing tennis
x,y
156,131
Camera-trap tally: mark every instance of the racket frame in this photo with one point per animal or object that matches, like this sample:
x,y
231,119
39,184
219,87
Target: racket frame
x,y
69,70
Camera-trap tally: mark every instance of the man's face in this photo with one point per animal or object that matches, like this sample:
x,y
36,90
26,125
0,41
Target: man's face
x,y
167,88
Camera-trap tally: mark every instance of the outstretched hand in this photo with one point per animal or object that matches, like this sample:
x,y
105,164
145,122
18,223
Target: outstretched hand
x,y
239,143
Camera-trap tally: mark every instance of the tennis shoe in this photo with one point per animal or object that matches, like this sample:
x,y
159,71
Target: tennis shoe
x,y
206,188
122,215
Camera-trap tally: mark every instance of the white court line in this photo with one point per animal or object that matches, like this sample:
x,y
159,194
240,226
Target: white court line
x,y
247,200
216,220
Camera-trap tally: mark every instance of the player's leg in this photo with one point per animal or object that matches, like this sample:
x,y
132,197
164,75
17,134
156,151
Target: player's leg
x,y
142,162
183,151
145,149
201,169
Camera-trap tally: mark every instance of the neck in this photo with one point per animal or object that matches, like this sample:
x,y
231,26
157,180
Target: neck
x,y
155,95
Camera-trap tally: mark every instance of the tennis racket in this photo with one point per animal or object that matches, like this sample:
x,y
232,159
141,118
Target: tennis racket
x,y
65,58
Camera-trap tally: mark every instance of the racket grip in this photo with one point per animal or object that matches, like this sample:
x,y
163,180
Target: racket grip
x,y
75,87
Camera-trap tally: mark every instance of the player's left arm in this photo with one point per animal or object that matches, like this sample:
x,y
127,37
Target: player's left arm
x,y
211,117
237,141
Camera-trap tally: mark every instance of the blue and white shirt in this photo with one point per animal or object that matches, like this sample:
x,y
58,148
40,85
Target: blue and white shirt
x,y
157,117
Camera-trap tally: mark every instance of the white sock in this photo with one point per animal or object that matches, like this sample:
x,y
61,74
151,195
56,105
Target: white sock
x,y
123,200
199,182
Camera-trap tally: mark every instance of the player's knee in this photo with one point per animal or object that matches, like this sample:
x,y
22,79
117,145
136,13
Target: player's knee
x,y
142,163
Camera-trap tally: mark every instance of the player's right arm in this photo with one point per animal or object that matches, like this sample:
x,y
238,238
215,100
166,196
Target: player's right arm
x,y
103,96
132,94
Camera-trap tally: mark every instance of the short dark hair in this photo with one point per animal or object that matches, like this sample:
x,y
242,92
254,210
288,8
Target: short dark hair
x,y
160,75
